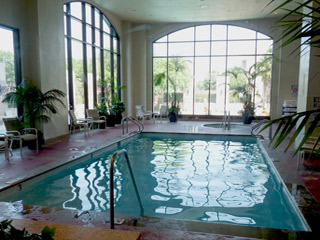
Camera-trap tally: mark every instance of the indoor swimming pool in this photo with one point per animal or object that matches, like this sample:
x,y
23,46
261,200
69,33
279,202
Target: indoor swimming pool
x,y
208,178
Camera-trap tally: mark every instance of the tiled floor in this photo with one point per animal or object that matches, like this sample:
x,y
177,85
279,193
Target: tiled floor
x,y
70,147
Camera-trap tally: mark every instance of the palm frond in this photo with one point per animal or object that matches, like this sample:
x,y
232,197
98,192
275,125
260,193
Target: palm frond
x,y
286,126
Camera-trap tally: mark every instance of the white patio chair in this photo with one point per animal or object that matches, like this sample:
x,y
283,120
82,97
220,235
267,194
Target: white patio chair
x,y
163,112
142,114
93,114
25,134
4,145
78,122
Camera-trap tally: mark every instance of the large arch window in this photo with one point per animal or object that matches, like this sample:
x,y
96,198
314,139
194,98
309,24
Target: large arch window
x,y
10,69
210,69
93,56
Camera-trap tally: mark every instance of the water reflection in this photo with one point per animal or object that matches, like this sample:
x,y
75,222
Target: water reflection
x,y
209,174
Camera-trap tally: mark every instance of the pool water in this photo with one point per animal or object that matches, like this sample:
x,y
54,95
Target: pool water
x,y
203,178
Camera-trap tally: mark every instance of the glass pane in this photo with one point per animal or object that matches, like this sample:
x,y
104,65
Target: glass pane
x,y
159,87
202,48
217,85
159,49
262,36
76,9
89,34
97,18
240,33
180,77
65,25
163,39
107,76
106,41
182,35
67,66
219,32
264,46
239,88
263,86
203,33
106,27
7,73
115,41
241,47
88,14
98,74
76,29
115,64
97,43
181,49
78,88
202,83
219,48
90,76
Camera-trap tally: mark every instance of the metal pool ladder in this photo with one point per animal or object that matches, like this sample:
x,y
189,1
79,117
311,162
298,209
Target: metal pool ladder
x,y
135,121
257,126
226,121
112,185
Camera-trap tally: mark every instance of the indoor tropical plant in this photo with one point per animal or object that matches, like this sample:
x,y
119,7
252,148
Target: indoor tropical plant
x,y
118,107
247,113
36,105
294,30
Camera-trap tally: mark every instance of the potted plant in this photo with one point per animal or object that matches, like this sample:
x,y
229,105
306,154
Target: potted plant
x,y
173,111
35,104
247,113
118,107
103,111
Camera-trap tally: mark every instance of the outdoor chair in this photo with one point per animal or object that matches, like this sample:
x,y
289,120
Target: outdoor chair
x,y
142,114
78,122
15,132
163,112
93,114
4,145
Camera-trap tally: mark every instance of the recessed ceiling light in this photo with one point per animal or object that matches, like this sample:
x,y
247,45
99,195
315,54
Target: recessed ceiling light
x,y
204,6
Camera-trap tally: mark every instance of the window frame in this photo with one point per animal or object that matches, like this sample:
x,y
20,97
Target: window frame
x,y
95,27
165,39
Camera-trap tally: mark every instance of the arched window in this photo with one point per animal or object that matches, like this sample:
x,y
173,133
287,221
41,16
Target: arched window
x,y
93,56
210,69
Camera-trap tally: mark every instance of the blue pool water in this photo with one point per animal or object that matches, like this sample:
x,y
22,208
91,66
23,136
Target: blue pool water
x,y
203,178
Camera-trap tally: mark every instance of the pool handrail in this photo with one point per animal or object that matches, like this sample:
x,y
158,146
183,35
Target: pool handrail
x,y
135,121
112,185
226,121
256,126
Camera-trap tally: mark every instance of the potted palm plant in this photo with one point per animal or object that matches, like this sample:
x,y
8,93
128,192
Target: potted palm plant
x,y
35,104
247,113
104,111
118,107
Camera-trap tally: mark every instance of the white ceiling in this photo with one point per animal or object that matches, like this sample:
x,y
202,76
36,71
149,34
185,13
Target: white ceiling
x,y
147,11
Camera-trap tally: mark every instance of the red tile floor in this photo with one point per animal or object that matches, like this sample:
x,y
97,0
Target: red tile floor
x,y
70,147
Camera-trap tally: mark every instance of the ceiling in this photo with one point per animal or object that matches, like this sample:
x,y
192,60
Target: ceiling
x,y
152,11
